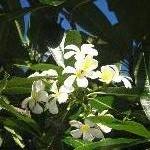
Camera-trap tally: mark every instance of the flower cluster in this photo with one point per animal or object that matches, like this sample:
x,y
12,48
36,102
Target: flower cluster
x,y
40,97
85,66
78,75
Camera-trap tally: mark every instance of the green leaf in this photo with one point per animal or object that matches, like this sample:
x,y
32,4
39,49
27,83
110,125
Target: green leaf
x,y
17,138
43,67
74,142
30,122
129,126
73,37
18,125
104,143
102,102
117,91
52,2
18,85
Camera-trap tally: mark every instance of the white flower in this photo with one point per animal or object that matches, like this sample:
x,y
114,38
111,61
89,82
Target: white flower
x,y
83,70
75,51
47,73
60,95
58,52
38,95
88,130
110,73
125,79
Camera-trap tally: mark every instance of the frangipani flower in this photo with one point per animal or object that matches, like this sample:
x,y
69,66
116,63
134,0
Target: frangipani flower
x,y
38,95
110,73
83,69
60,95
47,73
75,51
125,79
88,130
58,52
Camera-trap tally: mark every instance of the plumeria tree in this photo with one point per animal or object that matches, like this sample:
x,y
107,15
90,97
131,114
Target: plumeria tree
x,y
62,95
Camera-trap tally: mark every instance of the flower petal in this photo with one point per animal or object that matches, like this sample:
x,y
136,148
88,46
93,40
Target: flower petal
x,y
79,56
116,70
36,74
42,96
57,54
69,69
62,98
69,54
107,74
73,47
104,128
69,81
76,133
79,63
38,86
87,136
52,107
66,89
92,75
90,123
54,87
82,82
126,83
89,63
25,102
96,133
88,49
37,109
75,123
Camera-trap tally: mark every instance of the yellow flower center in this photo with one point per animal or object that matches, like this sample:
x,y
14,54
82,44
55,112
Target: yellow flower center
x,y
34,95
80,73
87,63
57,94
107,75
85,128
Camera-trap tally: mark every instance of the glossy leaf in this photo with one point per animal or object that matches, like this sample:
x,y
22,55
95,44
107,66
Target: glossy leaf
x,y
52,2
129,126
43,67
102,103
104,143
30,122
73,37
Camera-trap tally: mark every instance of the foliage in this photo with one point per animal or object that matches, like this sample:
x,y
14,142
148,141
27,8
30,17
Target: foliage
x,y
64,89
